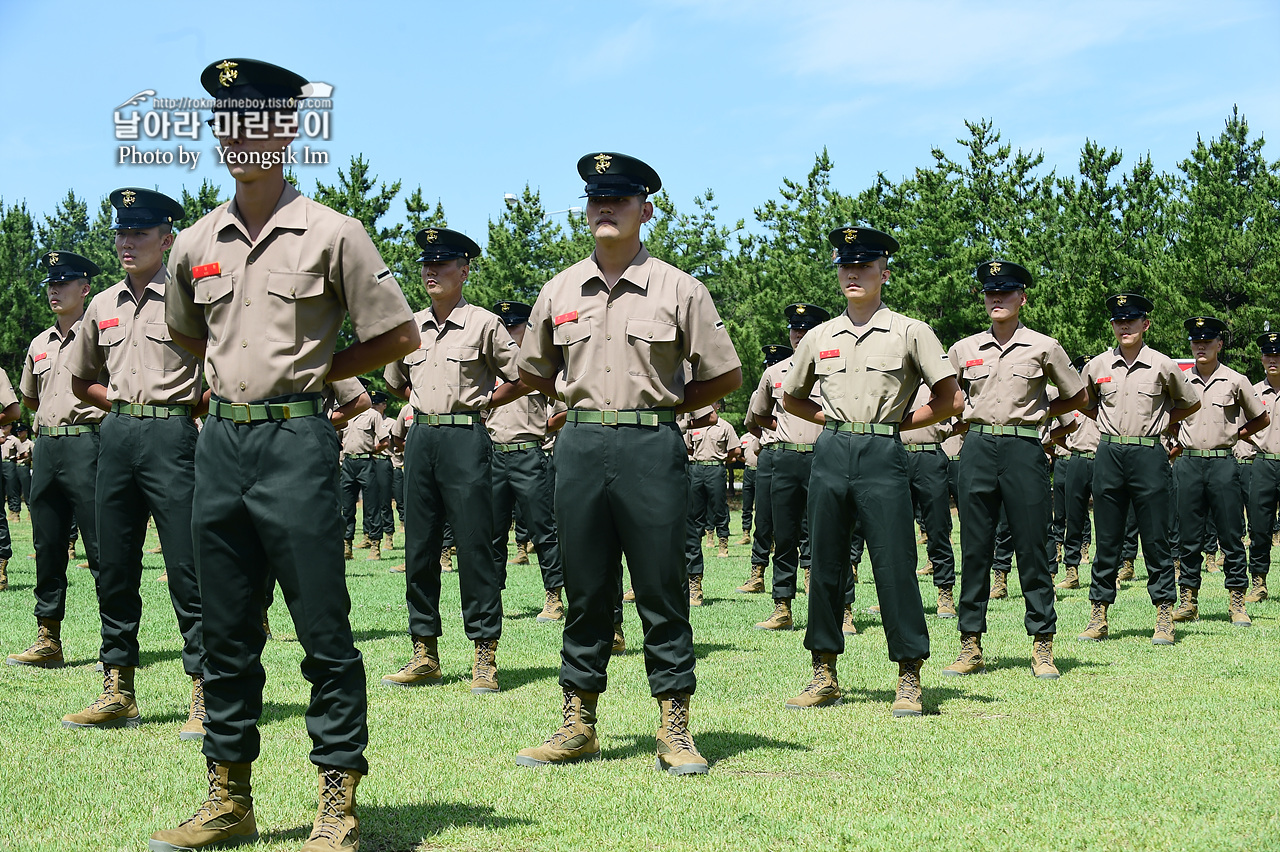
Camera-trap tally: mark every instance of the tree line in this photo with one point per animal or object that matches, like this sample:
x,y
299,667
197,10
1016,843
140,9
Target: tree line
x,y
1199,240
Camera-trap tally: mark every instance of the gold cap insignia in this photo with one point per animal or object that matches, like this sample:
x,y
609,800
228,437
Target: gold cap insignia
x,y
1120,300
505,307
128,197
1199,322
53,258
1273,337
602,163
799,309
995,269
432,236
850,234
228,72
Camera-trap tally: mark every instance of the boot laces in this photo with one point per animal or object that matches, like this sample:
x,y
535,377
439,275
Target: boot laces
x,y
206,809
329,820
484,655
566,728
1095,618
1164,618
819,681
1042,652
552,600
197,697
909,681
677,724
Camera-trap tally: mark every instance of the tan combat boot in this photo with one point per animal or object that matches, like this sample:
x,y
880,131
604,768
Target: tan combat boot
x,y
1084,553
999,585
375,551
423,668
619,641
781,617
711,538
553,609
574,741
755,584
723,552
910,697
1163,634
807,572
746,537
116,707
1071,579
970,659
823,690
1177,571
446,561
847,627
194,727
1125,574
391,541
1096,629
522,554
677,753
365,542
926,571
71,551
336,827
47,650
224,819
695,590
1042,657
347,553
4,575
946,602
1188,604
853,570
1213,562
1258,591
629,596
1235,606
163,576
484,670
266,623
397,569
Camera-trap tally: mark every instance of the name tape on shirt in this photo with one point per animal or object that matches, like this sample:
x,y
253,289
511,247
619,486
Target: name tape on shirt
x,y
564,318
777,385
206,270
37,359
108,323
828,353
976,362
1102,380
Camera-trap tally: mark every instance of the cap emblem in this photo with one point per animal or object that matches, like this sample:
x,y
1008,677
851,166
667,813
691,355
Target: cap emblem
x,y
432,236
1122,299
602,163
1199,322
227,72
505,307
995,268
1273,338
128,197
799,309
53,258
850,234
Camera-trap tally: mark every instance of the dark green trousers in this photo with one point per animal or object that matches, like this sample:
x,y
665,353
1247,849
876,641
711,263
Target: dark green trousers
x,y
359,480
927,470
789,494
1013,473
10,486
146,466
1211,487
707,502
447,478
24,482
1126,475
1058,526
265,501
619,490
524,479
1076,472
748,497
762,540
397,491
382,477
6,544
863,478
1264,496
63,479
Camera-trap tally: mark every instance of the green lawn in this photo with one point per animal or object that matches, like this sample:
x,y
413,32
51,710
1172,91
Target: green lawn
x,y
1136,747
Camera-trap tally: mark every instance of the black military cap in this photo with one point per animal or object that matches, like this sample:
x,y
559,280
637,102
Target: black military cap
x,y
443,244
860,244
65,266
1003,275
1079,361
617,176
21,429
377,397
1125,306
512,313
1206,328
775,352
241,85
802,316
1269,343
143,208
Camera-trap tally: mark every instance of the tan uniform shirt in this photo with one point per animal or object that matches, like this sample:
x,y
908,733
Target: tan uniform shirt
x,y
1006,386
7,396
624,348
9,448
131,341
24,451
1227,402
399,431
935,434
272,309
789,429
868,374
1086,436
1244,451
360,436
549,442
713,443
1268,440
768,437
1136,401
46,378
342,392
520,422
952,446
457,362
750,450
385,425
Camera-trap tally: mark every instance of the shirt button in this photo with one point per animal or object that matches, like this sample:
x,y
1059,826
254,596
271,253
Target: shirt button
x,y
293,291
607,369
244,344
608,401
252,259
608,337
246,303
134,372
243,386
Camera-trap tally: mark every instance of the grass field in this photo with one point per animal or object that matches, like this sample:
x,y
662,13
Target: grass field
x,y
1136,747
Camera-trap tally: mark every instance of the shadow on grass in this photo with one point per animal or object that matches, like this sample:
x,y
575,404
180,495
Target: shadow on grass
x,y
274,711
1064,664
701,650
935,695
373,634
514,678
714,745
403,828
527,612
150,658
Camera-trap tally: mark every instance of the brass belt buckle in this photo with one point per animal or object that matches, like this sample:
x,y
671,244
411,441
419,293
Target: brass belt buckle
x,y
236,409
608,418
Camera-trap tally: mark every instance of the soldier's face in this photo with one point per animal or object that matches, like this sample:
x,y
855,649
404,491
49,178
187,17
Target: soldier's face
x,y
1129,332
796,334
443,279
1003,304
67,297
1206,351
1271,363
517,332
861,282
141,249
617,219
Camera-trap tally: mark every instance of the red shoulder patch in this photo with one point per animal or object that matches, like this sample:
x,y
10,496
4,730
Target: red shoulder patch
x,y
976,362
564,318
198,272
828,353
1102,380
108,323
37,359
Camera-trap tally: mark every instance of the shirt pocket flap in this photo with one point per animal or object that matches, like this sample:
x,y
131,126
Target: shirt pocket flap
x,y
158,332
212,288
463,353
828,366
978,371
415,357
1027,371
1150,388
884,362
655,331
295,285
110,336
1223,400
572,332
42,366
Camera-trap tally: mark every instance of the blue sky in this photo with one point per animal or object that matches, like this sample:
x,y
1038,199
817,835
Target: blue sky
x,y
473,100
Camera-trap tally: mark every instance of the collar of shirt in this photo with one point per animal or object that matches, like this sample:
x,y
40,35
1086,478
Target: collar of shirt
x,y
1143,358
457,316
1218,375
1019,338
879,321
54,335
636,273
288,215
154,289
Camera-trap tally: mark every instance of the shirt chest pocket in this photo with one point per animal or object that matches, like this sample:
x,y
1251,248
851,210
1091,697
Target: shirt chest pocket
x,y
1225,406
975,377
212,289
833,377
652,346
290,297
109,337
1027,383
573,340
160,353
465,366
42,369
884,375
